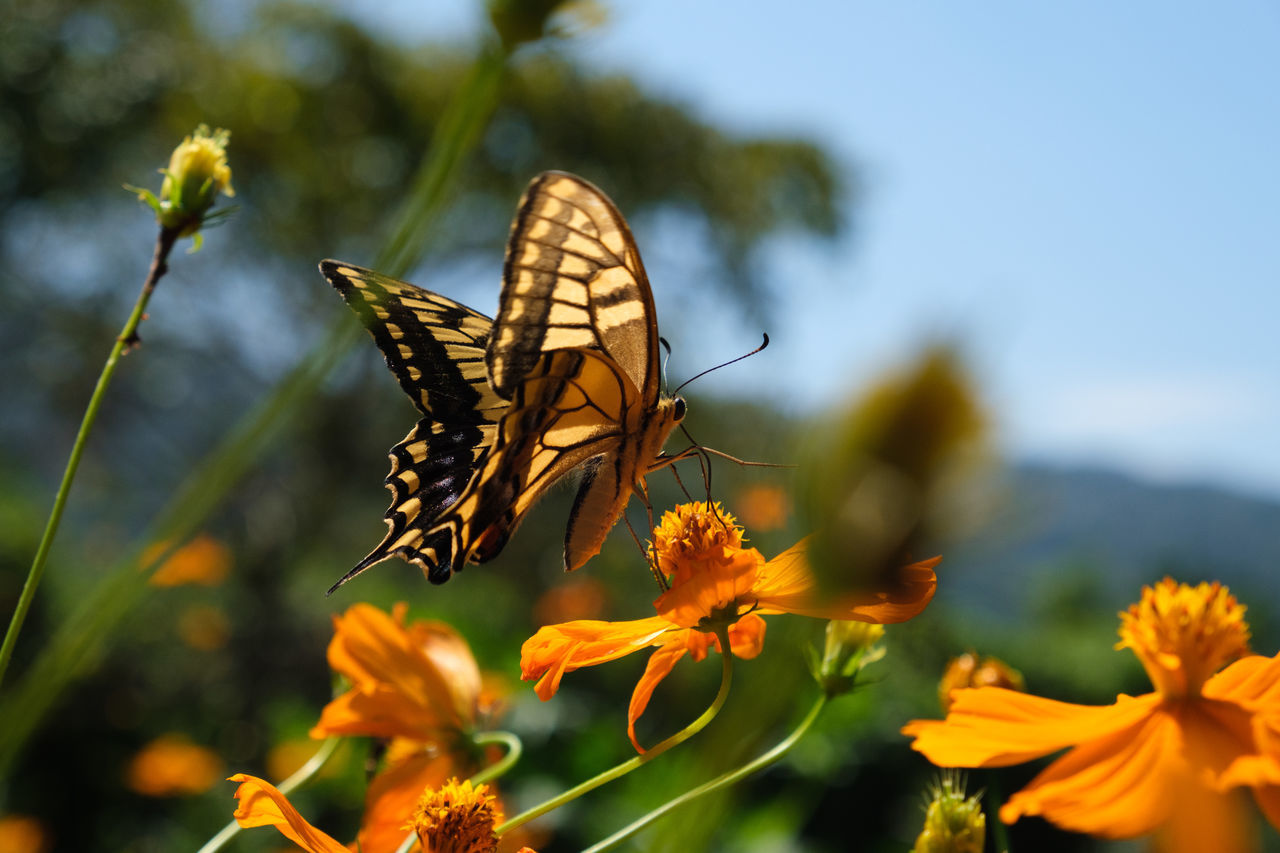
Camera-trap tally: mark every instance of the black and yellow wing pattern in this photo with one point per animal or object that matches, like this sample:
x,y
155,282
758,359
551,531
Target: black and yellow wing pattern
x,y
565,377
435,347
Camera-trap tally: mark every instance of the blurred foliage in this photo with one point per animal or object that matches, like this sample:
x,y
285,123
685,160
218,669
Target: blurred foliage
x,y
328,124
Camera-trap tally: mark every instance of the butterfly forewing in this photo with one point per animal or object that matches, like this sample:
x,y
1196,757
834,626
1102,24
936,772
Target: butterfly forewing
x,y
435,347
572,278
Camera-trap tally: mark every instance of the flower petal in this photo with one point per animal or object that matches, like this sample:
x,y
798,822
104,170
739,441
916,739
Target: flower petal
x,y
557,649
371,647
995,727
1116,786
659,667
785,584
700,588
746,636
391,798
1250,680
261,804
376,711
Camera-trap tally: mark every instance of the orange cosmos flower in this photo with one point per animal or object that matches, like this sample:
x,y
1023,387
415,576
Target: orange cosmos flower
x,y
204,560
451,818
419,686
713,580
415,681
1143,762
173,766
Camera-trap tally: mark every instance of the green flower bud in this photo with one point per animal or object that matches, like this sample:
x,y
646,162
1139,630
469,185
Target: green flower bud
x,y
953,823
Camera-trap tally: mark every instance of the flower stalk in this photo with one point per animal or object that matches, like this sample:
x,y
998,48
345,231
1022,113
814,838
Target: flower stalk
x,y
125,341
620,770
722,781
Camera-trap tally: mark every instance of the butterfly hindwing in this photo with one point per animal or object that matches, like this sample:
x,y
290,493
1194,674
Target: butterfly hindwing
x,y
435,347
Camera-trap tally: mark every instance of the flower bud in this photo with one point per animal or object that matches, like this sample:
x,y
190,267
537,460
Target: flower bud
x,y
197,172
953,823
967,671
850,645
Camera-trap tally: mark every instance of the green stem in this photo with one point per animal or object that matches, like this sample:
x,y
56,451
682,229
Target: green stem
x,y
301,775
717,783
1000,833
127,338
726,678
514,749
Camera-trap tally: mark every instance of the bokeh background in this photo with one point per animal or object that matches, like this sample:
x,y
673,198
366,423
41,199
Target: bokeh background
x,y
1076,203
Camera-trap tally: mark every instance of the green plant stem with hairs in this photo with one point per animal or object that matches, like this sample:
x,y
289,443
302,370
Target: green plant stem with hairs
x,y
726,679
126,340
80,639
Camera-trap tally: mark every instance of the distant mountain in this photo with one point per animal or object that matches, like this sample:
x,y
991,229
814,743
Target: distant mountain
x,y
1043,521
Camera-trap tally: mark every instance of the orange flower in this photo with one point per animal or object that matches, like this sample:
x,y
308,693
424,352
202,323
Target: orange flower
x,y
22,834
416,684
713,581
450,818
416,681
173,766
1138,764
204,560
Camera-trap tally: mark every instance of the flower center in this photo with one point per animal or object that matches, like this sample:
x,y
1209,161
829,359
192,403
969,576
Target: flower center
x,y
692,533
456,818
1184,634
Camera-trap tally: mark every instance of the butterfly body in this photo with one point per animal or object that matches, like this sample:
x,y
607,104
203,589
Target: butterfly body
x,y
565,377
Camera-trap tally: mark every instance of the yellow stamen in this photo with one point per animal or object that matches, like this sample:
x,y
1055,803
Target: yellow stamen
x,y
456,818
694,532
1184,634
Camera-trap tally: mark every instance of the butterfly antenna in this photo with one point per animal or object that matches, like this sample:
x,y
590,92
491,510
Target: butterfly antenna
x,y
666,347
764,344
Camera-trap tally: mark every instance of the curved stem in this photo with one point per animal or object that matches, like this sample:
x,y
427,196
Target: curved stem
x,y
726,678
302,774
715,784
493,771
127,338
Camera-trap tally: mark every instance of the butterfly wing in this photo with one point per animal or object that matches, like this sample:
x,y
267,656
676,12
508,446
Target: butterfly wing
x,y
572,278
569,409
435,347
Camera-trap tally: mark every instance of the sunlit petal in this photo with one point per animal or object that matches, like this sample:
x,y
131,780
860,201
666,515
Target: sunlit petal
x,y
785,585
994,727
261,804
717,584
1252,679
372,647
659,667
1116,786
557,649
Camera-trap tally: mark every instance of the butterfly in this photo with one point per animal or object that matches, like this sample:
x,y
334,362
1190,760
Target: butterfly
x,y
565,378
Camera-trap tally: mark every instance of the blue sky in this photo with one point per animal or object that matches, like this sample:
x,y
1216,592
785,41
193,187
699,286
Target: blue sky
x,y
1086,196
